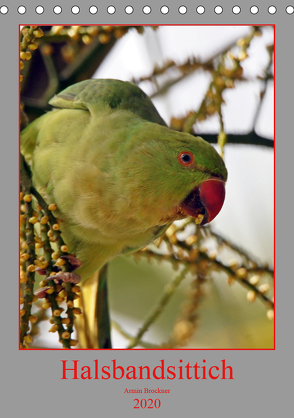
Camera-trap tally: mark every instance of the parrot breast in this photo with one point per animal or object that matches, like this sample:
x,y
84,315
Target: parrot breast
x,y
205,201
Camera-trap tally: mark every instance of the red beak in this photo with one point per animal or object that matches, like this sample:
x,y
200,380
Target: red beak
x,y
206,200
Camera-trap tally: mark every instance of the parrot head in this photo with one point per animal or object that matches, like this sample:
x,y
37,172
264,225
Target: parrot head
x,y
179,175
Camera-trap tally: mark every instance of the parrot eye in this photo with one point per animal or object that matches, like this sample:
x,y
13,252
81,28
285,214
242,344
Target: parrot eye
x,y
186,158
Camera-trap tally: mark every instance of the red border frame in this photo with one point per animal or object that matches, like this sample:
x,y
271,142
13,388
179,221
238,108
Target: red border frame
x,y
177,349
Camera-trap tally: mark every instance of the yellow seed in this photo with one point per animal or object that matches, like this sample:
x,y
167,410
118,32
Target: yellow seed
x,y
270,314
52,273
23,312
77,311
60,262
242,42
22,273
104,38
58,299
38,33
57,312
251,296
23,279
21,300
27,198
212,255
24,246
65,321
108,28
76,296
76,289
55,255
191,240
118,33
199,219
242,56
39,244
33,220
70,303
242,273
86,39
65,335
52,320
62,294
52,206
23,55
25,256
46,305
64,248
39,207
21,195
43,283
254,279
23,208
55,227
25,30
73,342
31,268
28,339
33,319
171,230
50,290
54,328
32,46
44,220
50,234
264,288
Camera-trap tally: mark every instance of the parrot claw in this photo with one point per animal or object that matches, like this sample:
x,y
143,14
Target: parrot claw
x,y
66,278
43,271
42,292
74,262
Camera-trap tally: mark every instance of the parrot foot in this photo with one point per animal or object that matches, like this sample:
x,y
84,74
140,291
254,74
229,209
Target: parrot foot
x,y
43,271
74,262
42,292
65,277
59,278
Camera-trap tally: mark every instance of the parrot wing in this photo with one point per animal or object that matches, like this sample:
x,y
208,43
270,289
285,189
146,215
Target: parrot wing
x,y
98,95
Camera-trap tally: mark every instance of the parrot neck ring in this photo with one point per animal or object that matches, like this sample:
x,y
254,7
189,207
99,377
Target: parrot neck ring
x,y
204,202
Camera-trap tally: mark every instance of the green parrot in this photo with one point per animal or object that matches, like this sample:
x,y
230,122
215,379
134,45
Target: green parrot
x,y
118,175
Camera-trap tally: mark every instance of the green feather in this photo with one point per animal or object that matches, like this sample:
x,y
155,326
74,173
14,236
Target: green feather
x,y
108,161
